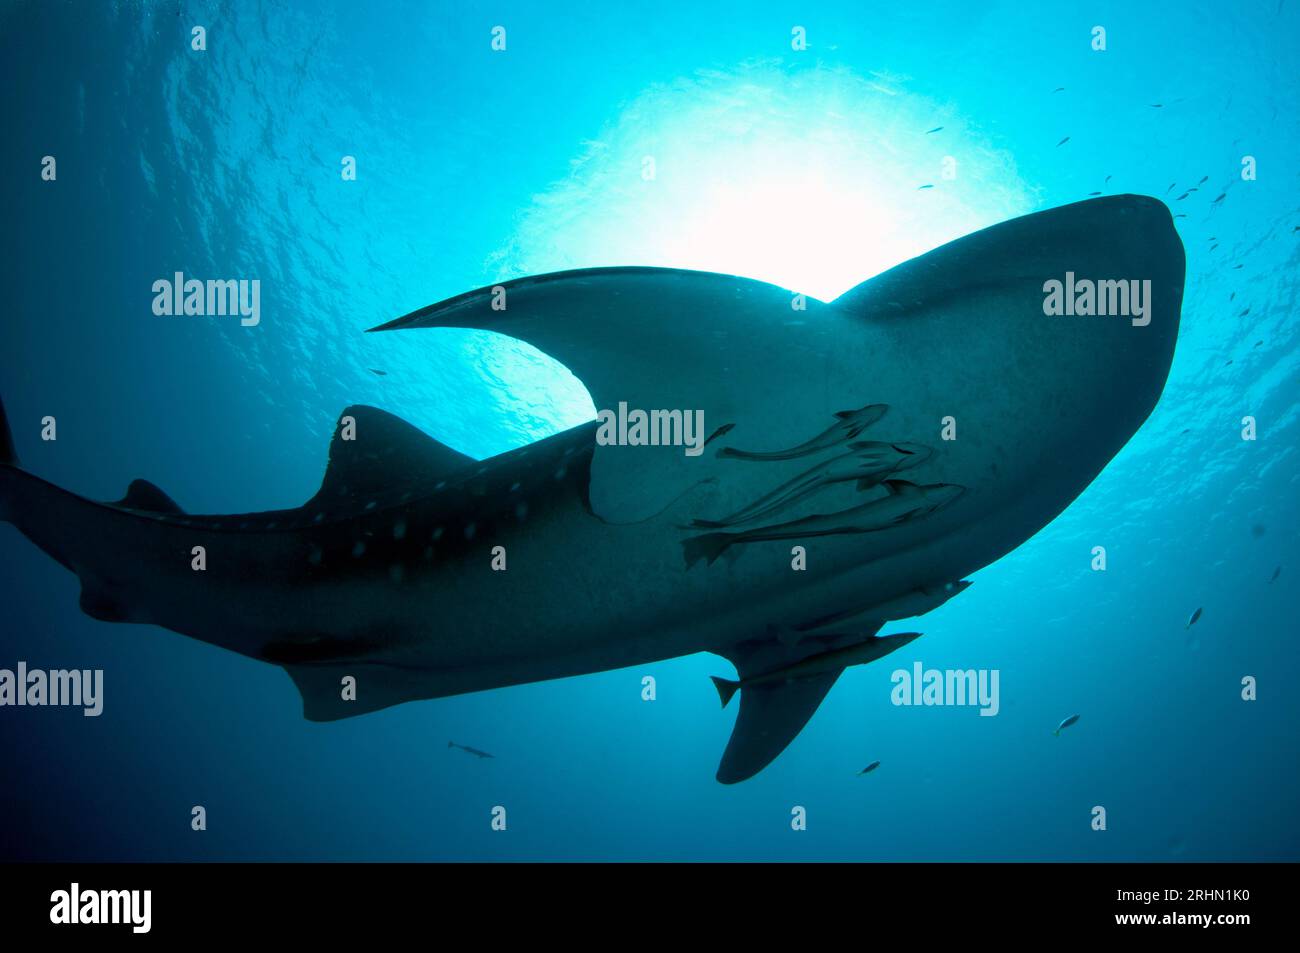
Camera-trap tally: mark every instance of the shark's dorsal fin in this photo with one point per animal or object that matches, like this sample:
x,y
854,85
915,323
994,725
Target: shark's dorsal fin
x,y
372,452
143,495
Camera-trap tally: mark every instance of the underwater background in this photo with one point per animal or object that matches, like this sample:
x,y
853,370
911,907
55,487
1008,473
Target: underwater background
x,y
800,167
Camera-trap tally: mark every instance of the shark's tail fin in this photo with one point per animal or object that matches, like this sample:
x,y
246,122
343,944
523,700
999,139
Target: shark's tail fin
x,y
8,455
709,546
8,458
726,688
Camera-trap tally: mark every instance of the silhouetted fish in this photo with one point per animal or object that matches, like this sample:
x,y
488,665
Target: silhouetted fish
x,y
474,751
1064,141
935,129
379,372
1192,621
1064,724
926,186
1273,578
869,768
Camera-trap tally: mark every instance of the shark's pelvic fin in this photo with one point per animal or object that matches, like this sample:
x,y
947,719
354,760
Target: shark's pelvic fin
x,y
143,495
770,717
772,714
373,452
328,695
8,454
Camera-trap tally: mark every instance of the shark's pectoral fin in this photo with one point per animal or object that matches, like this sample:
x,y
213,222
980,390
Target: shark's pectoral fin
x,y
335,691
770,717
374,452
651,340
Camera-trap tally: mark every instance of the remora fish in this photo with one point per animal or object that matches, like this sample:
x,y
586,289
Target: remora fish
x,y
386,575
868,462
850,424
469,750
906,501
822,665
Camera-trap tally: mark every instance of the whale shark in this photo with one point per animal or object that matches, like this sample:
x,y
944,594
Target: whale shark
x,y
417,572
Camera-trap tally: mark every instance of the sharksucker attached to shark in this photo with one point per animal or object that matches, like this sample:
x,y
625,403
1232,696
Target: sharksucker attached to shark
x,y
416,572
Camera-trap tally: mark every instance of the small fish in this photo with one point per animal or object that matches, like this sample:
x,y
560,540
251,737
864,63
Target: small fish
x,y
1090,194
1187,431
1059,89
869,768
1064,724
1237,267
1063,141
1225,365
1180,215
1192,621
379,372
1222,196
1258,343
1108,178
1273,578
1181,197
469,750
926,186
1204,179
1214,246
934,130
1171,187
850,424
1244,313
1232,296
1157,105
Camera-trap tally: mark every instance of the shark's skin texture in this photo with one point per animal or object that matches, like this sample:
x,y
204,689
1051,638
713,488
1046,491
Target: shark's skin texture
x,y
387,574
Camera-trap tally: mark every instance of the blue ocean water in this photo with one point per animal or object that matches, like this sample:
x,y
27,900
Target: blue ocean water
x,y
801,167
